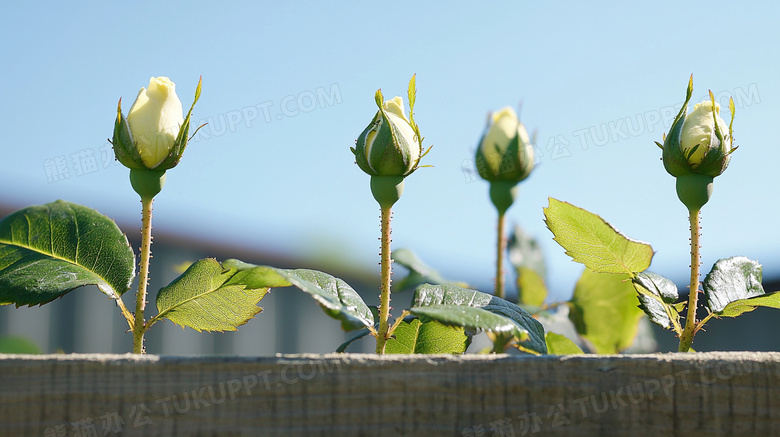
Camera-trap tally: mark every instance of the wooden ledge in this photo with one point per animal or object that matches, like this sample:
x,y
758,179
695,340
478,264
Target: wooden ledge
x,y
719,393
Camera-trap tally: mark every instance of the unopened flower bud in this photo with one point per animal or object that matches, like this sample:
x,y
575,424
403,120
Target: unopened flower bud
x,y
505,152
155,132
390,148
697,149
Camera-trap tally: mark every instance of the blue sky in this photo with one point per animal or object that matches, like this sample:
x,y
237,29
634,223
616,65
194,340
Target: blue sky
x,y
288,86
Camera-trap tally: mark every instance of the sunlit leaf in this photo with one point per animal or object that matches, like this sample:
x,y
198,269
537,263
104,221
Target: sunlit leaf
x,y
207,298
590,240
558,344
429,337
604,311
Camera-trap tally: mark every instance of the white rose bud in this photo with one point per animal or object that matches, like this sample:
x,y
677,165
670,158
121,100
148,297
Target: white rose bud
x,y
389,145
153,136
697,149
155,119
698,130
505,152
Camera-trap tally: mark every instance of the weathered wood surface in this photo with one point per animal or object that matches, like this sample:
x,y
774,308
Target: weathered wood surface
x,y
349,395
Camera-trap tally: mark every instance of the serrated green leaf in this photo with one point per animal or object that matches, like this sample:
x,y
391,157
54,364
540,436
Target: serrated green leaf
x,y
731,280
48,250
590,240
476,310
429,337
558,344
604,311
733,309
531,291
657,295
419,272
205,299
335,296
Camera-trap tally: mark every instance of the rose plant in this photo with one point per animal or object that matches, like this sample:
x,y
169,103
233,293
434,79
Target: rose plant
x,y
697,149
47,251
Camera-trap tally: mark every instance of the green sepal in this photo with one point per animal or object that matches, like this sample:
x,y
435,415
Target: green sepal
x,y
387,189
694,190
716,160
411,93
147,183
123,144
675,162
503,194
174,156
360,150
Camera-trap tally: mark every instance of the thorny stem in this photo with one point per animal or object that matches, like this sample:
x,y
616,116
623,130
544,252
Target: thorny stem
x,y
501,248
690,321
140,303
387,271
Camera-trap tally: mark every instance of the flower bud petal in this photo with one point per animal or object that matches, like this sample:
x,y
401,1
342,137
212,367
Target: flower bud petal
x,y
389,145
505,152
699,130
155,119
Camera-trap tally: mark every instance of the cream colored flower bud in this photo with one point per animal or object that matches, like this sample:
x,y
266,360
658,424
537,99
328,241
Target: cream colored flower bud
x,y
505,152
155,119
699,129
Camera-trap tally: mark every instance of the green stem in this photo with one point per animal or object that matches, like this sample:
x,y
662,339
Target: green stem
x,y
690,321
501,248
387,271
139,328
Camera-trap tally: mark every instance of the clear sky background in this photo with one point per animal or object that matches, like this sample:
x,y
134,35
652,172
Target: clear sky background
x,y
289,86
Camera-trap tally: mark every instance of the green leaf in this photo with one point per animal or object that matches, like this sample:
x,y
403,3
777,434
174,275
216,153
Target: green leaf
x,y
18,345
657,295
526,256
769,300
429,337
731,280
209,297
531,291
48,250
419,272
476,310
590,240
558,344
604,311
335,296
